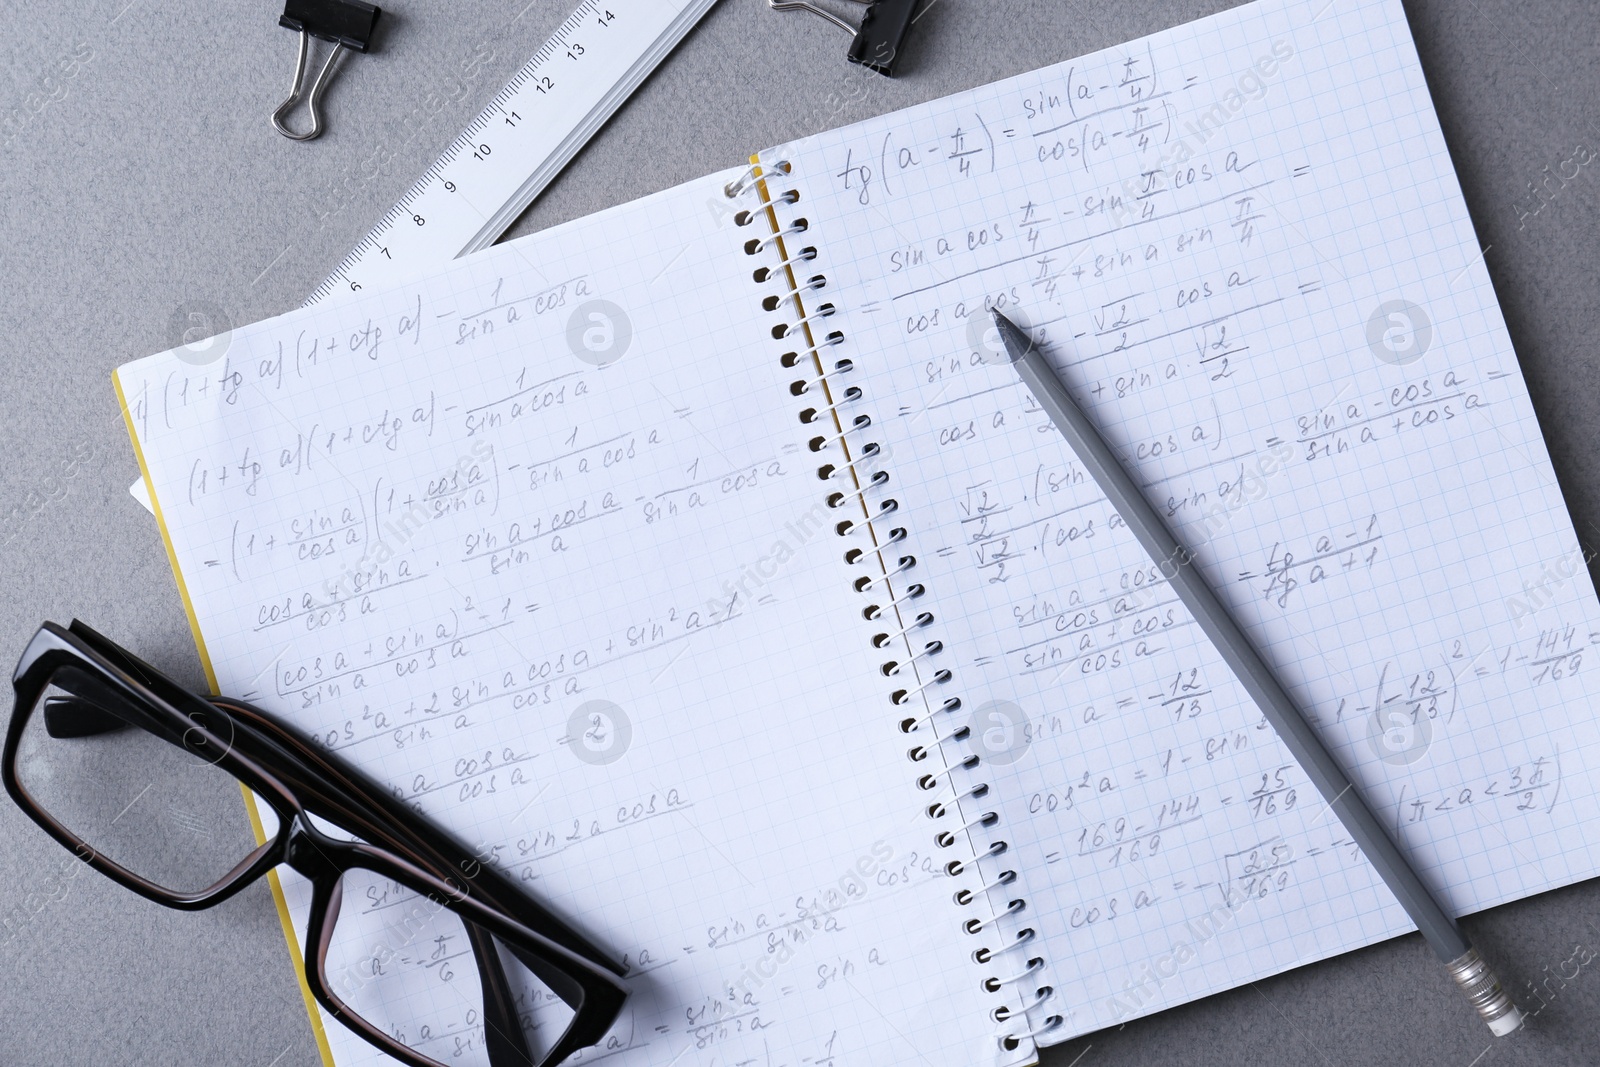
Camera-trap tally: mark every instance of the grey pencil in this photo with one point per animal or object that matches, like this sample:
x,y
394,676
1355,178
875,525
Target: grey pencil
x,y
1174,560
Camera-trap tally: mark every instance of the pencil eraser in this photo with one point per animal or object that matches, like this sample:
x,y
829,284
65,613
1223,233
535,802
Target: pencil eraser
x,y
1508,1023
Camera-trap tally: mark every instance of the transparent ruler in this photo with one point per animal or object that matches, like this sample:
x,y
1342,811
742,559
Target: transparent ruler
x,y
521,141
516,146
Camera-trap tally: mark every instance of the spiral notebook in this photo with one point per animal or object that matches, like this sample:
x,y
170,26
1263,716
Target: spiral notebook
x,y
698,564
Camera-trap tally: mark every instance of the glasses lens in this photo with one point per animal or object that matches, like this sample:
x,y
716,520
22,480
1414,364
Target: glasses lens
x,y
406,966
161,810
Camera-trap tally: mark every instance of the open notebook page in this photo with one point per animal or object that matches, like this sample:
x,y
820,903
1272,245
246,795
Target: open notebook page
x,y
591,619
1245,249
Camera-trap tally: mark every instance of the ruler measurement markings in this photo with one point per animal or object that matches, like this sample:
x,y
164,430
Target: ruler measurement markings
x,y
557,117
535,123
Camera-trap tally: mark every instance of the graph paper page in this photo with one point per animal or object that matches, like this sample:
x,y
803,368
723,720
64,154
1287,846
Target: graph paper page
x,y
1242,244
535,542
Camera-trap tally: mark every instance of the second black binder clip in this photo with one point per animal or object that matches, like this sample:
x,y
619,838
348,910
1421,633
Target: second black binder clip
x,y
879,38
344,23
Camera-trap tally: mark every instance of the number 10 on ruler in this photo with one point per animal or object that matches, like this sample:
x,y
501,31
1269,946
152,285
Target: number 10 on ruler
x,y
516,146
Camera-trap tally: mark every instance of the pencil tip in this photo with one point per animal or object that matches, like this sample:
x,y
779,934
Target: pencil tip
x,y
1014,337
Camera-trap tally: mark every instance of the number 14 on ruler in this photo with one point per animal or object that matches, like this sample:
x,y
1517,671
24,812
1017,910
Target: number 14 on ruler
x,y
521,141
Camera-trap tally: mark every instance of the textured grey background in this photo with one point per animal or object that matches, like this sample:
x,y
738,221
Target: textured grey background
x,y
148,184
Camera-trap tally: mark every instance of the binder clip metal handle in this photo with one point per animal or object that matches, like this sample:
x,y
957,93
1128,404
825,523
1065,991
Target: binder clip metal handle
x,y
806,5
879,38
348,24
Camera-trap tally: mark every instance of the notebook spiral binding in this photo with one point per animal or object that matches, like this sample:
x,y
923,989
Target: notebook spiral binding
x,y
857,483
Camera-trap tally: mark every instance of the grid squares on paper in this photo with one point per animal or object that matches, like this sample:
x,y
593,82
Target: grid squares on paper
x,y
1467,509
709,605
1339,160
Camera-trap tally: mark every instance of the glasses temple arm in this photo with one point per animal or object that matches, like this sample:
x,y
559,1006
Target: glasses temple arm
x,y
99,708
344,798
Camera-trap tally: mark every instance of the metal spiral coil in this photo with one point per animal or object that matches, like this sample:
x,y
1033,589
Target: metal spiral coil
x,y
841,447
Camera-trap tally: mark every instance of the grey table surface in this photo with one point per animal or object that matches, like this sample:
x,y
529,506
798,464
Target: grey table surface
x,y
146,185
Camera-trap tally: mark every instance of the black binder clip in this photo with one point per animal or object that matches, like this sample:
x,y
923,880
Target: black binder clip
x,y
347,24
879,38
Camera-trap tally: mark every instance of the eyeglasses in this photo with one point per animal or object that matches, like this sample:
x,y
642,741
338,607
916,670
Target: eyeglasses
x,y
427,953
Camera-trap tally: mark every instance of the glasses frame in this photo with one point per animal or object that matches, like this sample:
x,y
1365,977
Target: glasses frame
x,y
297,780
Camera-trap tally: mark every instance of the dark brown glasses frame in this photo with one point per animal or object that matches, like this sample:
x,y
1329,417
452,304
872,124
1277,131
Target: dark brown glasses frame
x,y
294,778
